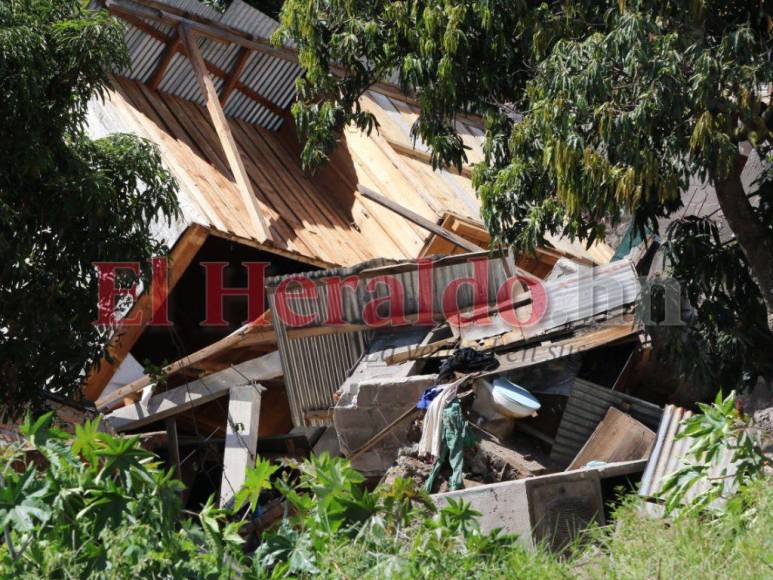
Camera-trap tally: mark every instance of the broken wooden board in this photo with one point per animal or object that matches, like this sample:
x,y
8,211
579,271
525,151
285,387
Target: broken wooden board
x,y
415,218
563,305
518,461
195,393
586,408
619,437
521,358
258,332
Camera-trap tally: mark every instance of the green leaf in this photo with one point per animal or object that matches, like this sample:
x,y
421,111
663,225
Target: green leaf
x,y
22,500
257,479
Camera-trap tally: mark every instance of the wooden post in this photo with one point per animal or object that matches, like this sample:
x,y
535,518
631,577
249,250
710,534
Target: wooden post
x,y
173,446
241,439
223,131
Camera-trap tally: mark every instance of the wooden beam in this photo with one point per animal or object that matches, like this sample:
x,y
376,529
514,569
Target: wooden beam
x,y
195,393
126,336
253,334
233,78
140,24
220,32
223,131
415,218
174,45
167,55
241,439
200,26
414,352
535,355
261,100
240,86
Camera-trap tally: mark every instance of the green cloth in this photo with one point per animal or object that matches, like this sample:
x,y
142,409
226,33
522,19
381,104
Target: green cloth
x,y
631,239
455,437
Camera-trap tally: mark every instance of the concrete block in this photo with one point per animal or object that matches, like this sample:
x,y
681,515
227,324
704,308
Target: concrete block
x,y
502,505
371,405
529,507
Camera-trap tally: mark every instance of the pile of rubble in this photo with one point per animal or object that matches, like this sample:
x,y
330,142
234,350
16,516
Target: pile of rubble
x,y
529,406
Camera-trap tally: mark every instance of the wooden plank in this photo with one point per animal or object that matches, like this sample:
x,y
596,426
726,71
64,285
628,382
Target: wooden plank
x,y
417,219
293,205
423,156
518,359
126,336
223,130
191,179
619,437
517,461
288,232
241,439
195,393
323,212
253,334
423,351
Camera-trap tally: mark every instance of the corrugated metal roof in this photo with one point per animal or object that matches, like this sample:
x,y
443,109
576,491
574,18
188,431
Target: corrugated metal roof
x,y
270,77
315,367
586,408
406,275
671,454
569,301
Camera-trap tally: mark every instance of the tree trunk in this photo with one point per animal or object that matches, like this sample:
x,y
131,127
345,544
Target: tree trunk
x,y
752,236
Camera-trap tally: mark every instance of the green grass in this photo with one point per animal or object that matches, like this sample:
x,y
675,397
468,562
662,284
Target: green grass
x,y
731,545
635,546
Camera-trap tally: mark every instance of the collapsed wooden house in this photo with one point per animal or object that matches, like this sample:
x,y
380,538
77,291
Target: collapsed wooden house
x,y
211,92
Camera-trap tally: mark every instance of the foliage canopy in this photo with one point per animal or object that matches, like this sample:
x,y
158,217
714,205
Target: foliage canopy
x,y
592,111
66,201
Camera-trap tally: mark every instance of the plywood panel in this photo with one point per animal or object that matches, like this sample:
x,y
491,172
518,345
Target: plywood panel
x,y
619,437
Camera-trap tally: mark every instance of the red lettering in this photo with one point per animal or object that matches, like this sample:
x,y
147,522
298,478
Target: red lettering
x,y
159,287
216,291
108,292
335,299
286,314
479,284
395,298
426,305
539,300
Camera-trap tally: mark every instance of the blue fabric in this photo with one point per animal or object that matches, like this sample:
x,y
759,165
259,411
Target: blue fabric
x,y
427,396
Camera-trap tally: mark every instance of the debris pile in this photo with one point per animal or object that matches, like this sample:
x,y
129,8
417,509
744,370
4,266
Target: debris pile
x,y
384,328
